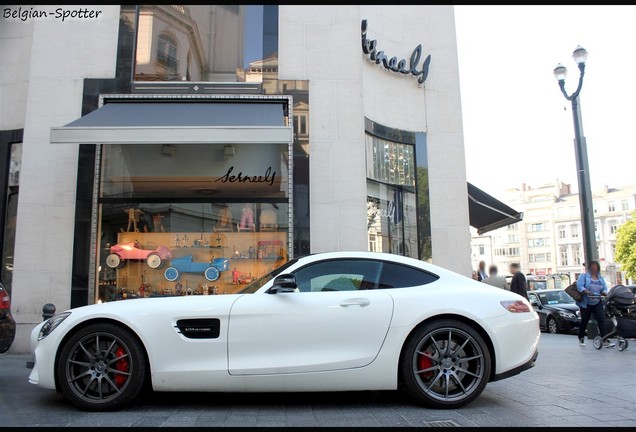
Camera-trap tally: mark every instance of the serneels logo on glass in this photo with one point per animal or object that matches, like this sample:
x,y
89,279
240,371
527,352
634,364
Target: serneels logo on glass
x,y
269,177
370,47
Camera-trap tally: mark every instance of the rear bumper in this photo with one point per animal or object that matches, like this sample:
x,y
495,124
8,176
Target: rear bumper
x,y
518,369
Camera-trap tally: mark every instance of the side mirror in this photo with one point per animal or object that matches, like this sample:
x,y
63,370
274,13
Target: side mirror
x,y
534,302
284,283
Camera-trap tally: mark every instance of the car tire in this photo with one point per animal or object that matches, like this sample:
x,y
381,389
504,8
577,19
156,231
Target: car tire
x,y
445,364
211,274
102,367
154,261
552,325
114,261
171,274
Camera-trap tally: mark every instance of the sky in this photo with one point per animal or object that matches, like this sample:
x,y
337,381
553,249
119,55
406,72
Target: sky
x,y
518,126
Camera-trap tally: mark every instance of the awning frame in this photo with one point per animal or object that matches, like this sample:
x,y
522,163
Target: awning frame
x,y
508,219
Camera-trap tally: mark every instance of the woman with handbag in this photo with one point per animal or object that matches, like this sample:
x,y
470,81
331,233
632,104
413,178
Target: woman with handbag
x,y
592,286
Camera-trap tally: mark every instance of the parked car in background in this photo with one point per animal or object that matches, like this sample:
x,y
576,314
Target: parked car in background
x,y
7,324
557,310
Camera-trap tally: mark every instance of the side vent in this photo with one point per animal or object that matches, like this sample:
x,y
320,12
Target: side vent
x,y
200,328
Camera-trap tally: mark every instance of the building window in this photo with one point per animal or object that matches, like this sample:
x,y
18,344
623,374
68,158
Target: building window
x,y
624,205
513,238
574,231
167,53
482,250
162,234
513,226
397,191
613,227
562,233
611,207
507,251
576,254
536,227
563,251
300,124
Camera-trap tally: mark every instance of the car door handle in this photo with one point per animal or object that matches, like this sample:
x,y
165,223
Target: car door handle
x,y
362,302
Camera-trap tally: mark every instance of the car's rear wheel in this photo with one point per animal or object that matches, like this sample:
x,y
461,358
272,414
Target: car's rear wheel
x,y
171,274
445,364
211,274
154,261
101,368
114,261
552,325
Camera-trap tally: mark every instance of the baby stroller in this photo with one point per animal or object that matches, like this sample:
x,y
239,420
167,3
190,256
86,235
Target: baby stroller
x,y
619,306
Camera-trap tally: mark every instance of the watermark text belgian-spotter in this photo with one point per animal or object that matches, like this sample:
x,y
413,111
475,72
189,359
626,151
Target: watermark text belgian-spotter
x,y
61,14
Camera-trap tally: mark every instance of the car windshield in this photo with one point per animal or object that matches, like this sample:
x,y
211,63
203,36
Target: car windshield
x,y
555,297
254,286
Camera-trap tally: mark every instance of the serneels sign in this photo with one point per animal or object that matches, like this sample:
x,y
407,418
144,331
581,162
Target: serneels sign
x,y
370,47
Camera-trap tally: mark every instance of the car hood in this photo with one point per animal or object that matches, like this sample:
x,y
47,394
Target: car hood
x,y
568,307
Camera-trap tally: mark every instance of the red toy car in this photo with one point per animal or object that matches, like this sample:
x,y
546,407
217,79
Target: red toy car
x,y
121,252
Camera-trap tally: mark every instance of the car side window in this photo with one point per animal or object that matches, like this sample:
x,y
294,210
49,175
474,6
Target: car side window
x,y
402,276
338,275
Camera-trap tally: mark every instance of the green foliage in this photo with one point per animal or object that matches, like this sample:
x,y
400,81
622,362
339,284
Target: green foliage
x,y
626,246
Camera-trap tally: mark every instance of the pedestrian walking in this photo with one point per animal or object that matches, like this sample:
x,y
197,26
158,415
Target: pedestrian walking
x,y
495,280
481,271
592,285
518,282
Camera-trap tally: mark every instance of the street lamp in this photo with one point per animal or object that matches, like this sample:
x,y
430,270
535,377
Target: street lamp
x,y
580,148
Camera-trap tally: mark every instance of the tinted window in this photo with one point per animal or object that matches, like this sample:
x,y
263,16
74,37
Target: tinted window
x,y
338,275
401,276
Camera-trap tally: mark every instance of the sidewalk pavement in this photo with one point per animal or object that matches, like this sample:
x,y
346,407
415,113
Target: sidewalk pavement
x,y
570,385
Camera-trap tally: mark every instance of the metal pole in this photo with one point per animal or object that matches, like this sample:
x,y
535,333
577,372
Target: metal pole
x,y
585,193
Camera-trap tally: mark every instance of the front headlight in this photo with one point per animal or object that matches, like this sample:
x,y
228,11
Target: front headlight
x,y
567,314
51,324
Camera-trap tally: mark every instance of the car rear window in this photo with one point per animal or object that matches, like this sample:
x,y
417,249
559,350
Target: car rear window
x,y
401,276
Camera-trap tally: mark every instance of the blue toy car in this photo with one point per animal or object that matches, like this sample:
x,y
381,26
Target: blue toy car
x,y
185,264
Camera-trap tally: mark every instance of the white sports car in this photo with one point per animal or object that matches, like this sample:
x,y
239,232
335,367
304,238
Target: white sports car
x,y
340,321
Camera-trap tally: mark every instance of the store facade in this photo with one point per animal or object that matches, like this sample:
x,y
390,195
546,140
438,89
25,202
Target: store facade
x,y
185,150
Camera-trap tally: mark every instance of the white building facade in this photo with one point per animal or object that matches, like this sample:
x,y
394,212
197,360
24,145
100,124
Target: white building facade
x,y
242,134
548,241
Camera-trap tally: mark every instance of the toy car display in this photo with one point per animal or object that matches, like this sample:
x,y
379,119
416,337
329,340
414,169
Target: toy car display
x,y
122,252
210,269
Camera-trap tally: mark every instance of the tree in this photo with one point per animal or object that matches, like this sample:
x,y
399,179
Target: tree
x,y
626,246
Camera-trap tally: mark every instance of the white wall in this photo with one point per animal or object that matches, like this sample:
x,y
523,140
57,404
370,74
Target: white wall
x,y
49,86
322,44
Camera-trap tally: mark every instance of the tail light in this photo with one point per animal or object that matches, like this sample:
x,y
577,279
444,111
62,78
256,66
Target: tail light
x,y
5,302
516,306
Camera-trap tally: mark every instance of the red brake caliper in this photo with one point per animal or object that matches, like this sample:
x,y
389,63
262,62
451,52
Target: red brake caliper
x,y
121,365
424,363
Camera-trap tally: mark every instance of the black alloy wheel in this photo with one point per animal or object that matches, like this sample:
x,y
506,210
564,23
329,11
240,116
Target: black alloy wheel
x,y
445,364
102,368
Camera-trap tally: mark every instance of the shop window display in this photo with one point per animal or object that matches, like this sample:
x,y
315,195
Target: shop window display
x,y
159,237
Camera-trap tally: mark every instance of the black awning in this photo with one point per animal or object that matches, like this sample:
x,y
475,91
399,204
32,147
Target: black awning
x,y
162,122
176,114
487,213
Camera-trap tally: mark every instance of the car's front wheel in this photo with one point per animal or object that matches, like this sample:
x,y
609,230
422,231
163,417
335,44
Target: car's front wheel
x,y
552,325
445,364
101,368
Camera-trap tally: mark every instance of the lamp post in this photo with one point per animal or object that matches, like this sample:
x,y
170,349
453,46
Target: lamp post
x,y
580,148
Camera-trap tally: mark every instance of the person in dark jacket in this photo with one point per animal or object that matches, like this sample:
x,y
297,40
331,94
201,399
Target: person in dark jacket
x,y
481,271
518,282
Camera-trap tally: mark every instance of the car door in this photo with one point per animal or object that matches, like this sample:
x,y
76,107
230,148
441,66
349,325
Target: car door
x,y
536,304
336,320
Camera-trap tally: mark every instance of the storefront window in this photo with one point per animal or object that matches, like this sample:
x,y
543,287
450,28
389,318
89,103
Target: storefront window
x,y
216,43
398,214
191,219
